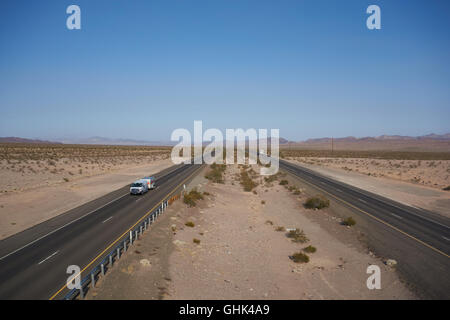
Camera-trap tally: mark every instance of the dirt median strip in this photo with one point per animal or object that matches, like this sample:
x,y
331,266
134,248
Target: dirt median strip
x,y
230,245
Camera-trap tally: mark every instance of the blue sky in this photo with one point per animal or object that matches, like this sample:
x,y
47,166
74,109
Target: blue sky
x,y
140,69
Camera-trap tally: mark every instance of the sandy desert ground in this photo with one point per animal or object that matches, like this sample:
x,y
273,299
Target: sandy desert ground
x,y
39,182
233,245
31,166
431,173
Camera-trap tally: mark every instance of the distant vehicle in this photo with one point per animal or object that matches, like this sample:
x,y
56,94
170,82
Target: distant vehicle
x,y
139,187
151,182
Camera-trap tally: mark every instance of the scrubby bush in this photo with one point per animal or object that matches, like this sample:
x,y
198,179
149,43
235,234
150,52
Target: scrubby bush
x,y
297,235
191,197
446,188
317,202
246,181
349,222
299,257
189,224
196,241
283,182
310,249
216,172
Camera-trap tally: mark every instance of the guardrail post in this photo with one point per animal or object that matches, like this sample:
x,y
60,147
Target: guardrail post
x,y
93,280
81,292
125,246
110,260
136,234
118,253
145,225
102,267
140,230
131,237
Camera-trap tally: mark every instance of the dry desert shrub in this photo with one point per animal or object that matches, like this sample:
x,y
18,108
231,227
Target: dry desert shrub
x,y
299,257
215,174
310,249
317,202
191,197
297,235
349,222
246,181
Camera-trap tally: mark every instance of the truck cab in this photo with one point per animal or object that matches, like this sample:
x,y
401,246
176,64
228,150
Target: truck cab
x,y
138,187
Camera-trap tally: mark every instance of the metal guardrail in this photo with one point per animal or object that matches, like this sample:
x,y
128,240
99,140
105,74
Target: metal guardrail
x,y
115,254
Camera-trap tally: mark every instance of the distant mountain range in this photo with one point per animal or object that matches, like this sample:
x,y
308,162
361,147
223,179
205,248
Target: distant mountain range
x,y
23,140
431,136
429,142
109,141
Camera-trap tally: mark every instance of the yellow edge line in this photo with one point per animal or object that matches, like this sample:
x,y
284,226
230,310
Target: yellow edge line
x,y
123,234
378,219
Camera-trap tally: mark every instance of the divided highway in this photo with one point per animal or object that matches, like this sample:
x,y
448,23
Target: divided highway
x,y
418,239
33,262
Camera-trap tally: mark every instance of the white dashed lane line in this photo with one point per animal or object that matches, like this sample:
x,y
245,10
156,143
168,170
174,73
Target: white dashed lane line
x,y
54,253
107,219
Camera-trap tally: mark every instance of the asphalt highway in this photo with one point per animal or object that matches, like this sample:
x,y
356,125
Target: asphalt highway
x,y
418,239
33,263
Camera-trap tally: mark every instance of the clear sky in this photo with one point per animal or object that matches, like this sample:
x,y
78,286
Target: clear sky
x,y
140,69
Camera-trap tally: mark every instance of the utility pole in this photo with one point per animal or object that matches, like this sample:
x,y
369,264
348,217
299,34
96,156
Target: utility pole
x,y
332,145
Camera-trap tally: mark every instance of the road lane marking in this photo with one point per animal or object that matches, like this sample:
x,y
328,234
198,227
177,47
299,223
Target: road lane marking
x,y
293,168
107,219
69,223
126,232
339,190
446,238
46,235
397,216
54,253
379,220
362,200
